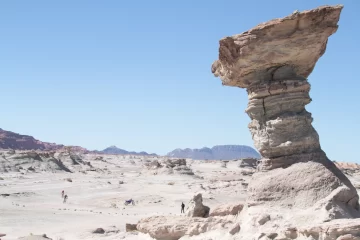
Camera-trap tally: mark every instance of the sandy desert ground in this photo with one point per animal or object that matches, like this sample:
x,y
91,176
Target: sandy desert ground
x,y
31,203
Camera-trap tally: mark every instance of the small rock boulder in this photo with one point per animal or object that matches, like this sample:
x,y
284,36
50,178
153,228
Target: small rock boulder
x,y
175,162
154,164
227,209
248,163
130,227
68,179
99,231
261,220
235,229
196,208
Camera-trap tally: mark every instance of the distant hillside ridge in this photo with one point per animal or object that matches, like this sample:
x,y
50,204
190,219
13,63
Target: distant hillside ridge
x,y
219,152
116,150
15,141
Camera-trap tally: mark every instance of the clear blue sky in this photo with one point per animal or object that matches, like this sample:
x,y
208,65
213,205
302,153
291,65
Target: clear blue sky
x,y
137,74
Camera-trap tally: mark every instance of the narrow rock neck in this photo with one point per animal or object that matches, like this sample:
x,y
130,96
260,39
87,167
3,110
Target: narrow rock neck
x,y
280,125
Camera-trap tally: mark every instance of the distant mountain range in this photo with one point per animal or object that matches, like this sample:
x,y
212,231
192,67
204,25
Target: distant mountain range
x,y
11,140
223,152
15,141
116,150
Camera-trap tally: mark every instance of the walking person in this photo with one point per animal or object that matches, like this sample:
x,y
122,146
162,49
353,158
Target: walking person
x,y
65,198
182,207
62,194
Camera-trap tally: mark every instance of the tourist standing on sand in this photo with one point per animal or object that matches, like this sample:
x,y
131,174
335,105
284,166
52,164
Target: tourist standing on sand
x,y
65,198
62,194
182,207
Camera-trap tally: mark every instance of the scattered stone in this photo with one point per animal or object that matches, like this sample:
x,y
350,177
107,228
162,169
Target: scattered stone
x,y
248,163
224,164
99,231
272,235
261,220
235,229
31,169
68,179
130,227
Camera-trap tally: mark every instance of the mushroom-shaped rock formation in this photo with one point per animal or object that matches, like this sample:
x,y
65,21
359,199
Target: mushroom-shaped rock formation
x,y
295,182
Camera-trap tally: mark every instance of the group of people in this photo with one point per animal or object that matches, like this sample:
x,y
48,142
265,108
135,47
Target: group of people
x,y
64,196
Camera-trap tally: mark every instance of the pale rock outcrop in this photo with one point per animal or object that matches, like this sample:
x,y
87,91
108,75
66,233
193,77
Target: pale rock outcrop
x,y
35,237
175,227
227,209
175,162
339,229
196,208
34,161
348,237
348,168
168,166
248,163
295,182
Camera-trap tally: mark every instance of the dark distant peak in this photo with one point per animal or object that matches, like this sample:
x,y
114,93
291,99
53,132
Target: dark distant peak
x,y
224,152
230,147
204,149
113,146
116,150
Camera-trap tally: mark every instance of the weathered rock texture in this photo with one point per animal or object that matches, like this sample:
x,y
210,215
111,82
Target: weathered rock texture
x,y
168,166
272,61
196,208
227,209
248,163
175,227
130,227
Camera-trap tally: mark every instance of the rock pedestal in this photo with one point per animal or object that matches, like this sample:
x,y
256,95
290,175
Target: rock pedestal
x,y
196,208
295,181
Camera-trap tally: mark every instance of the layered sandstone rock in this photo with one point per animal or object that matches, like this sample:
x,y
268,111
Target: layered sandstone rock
x,y
295,181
